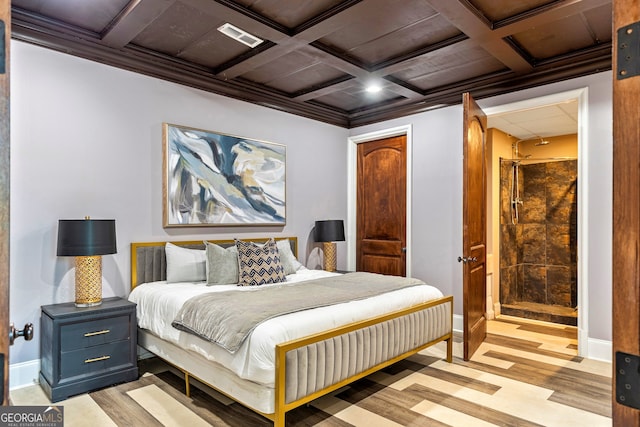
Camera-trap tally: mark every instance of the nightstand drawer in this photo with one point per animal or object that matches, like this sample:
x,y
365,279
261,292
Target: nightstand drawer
x,y
97,332
95,360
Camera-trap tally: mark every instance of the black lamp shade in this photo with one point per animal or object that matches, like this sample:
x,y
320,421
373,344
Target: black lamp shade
x,y
331,230
86,237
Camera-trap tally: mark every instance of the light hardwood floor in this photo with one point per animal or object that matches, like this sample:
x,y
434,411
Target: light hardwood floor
x,y
525,374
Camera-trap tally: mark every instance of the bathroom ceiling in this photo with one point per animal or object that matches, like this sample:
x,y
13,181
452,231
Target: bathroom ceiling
x,y
540,122
317,57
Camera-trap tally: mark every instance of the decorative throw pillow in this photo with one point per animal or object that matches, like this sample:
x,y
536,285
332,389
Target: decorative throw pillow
x,y
259,265
287,258
184,265
222,264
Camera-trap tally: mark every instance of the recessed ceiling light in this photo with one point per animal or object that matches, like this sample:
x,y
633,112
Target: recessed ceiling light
x,y
373,88
240,35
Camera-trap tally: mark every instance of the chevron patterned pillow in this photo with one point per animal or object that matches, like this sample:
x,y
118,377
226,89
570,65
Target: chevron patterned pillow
x,y
259,264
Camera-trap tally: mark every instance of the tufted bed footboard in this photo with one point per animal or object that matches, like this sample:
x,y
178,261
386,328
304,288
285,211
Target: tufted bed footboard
x,y
310,367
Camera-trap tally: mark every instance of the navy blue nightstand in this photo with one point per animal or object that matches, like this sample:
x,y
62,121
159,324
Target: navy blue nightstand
x,y
86,348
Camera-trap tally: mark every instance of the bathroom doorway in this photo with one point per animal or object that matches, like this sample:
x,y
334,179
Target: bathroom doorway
x,y
536,210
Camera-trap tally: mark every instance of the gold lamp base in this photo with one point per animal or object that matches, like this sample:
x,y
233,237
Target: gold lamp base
x,y
329,249
88,281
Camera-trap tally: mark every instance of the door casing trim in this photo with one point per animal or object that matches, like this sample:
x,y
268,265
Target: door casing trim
x,y
352,181
581,95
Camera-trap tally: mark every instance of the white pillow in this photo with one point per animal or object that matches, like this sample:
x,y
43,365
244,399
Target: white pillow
x,y
287,258
185,265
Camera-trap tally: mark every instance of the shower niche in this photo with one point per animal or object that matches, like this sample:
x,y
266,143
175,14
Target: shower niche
x,y
538,239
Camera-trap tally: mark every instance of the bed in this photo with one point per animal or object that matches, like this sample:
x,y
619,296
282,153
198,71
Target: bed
x,y
295,357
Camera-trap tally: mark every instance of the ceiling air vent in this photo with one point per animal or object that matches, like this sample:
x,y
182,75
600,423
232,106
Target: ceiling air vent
x,y
240,35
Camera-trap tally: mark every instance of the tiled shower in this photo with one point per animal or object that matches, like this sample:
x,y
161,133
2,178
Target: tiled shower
x,y
538,246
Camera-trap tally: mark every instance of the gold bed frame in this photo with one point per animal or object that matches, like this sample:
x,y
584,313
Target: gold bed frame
x,y
280,405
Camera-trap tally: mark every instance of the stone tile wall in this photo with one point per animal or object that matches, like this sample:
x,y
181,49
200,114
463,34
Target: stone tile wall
x,y
538,254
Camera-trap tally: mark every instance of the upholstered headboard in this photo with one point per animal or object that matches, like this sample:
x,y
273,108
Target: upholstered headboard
x,y
149,264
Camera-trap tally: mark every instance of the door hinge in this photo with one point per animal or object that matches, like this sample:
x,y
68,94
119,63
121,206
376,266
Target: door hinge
x,y
628,51
628,379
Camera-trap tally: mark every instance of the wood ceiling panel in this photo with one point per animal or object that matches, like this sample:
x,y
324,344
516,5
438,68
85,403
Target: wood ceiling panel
x,y
355,97
176,29
387,31
294,72
303,80
213,49
599,20
426,32
497,10
94,15
557,38
449,65
289,13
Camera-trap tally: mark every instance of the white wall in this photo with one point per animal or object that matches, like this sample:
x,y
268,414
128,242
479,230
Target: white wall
x,y
437,192
86,139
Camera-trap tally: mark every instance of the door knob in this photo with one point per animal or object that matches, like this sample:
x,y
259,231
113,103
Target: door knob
x,y
465,259
27,332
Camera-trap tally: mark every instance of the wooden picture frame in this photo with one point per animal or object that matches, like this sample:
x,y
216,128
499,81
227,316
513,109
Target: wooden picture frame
x,y
215,179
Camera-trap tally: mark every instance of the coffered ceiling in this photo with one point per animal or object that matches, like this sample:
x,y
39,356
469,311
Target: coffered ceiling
x,y
318,57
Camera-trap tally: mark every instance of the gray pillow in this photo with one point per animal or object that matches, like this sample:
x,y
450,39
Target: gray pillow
x,y
185,265
287,258
222,264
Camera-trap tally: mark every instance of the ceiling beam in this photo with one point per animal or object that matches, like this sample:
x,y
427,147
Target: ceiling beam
x,y
467,20
133,19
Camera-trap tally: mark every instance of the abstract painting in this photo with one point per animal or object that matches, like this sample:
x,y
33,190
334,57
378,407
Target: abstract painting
x,y
213,179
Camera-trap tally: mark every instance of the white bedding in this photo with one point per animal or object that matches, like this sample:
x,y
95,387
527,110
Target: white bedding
x,y
159,302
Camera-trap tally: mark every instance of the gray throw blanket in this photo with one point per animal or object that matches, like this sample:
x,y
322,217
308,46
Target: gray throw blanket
x,y
226,318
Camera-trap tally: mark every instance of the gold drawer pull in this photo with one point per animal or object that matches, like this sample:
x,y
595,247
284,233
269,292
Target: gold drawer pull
x,y
102,332
97,359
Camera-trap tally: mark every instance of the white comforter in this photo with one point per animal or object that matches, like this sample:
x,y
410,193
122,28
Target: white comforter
x,y
159,302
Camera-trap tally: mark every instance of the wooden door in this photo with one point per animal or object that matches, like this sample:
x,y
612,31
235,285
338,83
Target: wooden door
x,y
4,198
474,241
382,206
626,215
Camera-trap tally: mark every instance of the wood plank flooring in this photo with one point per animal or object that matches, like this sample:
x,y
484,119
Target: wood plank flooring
x,y
525,374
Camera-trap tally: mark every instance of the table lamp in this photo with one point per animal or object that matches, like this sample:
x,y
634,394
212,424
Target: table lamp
x,y
87,240
328,232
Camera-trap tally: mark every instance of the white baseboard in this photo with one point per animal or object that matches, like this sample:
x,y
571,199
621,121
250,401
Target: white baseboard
x,y
24,374
599,350
458,323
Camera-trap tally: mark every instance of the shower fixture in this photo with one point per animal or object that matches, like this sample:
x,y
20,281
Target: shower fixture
x,y
515,192
516,146
541,142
